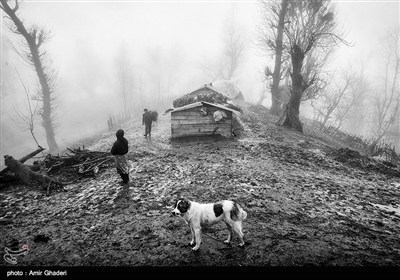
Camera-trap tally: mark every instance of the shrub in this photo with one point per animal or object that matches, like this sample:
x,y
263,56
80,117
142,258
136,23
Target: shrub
x,y
211,97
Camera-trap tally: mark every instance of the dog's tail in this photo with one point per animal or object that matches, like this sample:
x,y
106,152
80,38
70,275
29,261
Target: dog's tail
x,y
237,212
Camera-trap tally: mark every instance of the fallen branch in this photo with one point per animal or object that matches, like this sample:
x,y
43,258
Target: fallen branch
x,y
23,159
29,177
93,166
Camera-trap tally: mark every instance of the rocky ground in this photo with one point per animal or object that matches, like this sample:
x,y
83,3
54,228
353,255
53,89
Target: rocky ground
x,y
310,202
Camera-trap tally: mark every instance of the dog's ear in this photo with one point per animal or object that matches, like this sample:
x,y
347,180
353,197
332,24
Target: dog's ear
x,y
176,202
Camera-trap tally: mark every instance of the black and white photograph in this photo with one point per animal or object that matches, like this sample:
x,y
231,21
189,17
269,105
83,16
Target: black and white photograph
x,y
188,139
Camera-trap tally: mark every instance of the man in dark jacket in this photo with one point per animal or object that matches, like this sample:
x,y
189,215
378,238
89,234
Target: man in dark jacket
x,y
119,151
147,120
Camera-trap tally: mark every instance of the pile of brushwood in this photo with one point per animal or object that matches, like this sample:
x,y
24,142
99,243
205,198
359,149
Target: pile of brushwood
x,y
54,172
211,97
83,161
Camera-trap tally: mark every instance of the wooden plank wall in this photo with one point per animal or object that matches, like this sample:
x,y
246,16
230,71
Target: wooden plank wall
x,y
191,122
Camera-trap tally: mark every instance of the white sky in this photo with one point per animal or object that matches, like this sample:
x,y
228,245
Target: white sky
x,y
366,23
101,26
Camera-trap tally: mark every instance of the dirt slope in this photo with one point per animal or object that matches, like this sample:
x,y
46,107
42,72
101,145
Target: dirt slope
x,y
308,203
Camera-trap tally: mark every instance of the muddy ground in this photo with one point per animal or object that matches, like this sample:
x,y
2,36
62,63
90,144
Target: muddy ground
x,y
310,202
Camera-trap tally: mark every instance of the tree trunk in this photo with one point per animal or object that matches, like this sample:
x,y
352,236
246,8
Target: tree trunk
x,y
23,159
24,173
34,44
276,105
276,76
29,177
260,101
46,94
293,110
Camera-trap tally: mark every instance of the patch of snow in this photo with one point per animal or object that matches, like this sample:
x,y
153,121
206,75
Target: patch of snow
x,y
395,184
317,152
379,158
395,211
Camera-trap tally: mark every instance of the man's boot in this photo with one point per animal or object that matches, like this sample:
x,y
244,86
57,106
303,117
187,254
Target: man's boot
x,y
126,178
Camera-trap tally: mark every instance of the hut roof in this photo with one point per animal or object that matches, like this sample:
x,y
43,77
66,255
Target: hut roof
x,y
207,87
201,103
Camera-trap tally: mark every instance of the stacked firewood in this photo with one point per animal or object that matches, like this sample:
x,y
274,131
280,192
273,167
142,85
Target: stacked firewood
x,y
82,161
52,171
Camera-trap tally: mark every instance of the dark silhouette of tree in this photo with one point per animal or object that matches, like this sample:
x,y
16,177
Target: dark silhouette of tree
x,y
310,30
270,39
35,38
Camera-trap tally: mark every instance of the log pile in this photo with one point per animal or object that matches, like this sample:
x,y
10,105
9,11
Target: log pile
x,y
81,161
72,166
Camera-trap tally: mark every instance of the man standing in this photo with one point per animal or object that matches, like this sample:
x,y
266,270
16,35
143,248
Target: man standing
x,y
147,120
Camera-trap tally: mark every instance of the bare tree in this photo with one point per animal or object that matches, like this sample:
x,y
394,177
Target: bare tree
x,y
346,87
386,107
352,109
175,64
235,43
212,68
141,89
156,73
310,28
234,39
162,75
329,100
35,38
125,77
27,120
270,40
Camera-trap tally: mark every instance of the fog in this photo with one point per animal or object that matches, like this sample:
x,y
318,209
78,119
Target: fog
x,y
163,43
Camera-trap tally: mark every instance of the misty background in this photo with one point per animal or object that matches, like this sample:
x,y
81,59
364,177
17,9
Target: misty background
x,y
166,47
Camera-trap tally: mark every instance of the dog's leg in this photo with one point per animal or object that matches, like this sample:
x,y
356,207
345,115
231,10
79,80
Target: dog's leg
x,y
237,227
197,232
229,233
191,243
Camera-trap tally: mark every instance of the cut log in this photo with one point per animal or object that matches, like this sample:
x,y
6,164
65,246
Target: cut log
x,y
29,177
23,159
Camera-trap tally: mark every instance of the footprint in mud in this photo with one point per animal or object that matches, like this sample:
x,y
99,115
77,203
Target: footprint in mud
x,y
123,198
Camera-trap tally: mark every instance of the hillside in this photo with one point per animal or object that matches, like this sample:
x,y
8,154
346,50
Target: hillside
x,y
310,202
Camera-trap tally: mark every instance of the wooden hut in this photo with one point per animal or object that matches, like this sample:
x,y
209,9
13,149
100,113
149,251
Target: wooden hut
x,y
200,119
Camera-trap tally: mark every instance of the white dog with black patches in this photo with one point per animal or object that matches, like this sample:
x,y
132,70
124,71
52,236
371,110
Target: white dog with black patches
x,y
198,215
